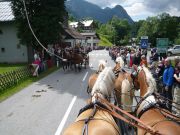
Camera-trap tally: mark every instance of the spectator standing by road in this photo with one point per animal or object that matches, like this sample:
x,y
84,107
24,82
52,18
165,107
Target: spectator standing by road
x,y
168,81
143,61
36,65
154,58
128,59
176,95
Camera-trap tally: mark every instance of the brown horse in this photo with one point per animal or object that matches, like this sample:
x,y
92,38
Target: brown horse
x,y
77,59
147,110
66,59
123,91
95,120
85,59
91,82
123,86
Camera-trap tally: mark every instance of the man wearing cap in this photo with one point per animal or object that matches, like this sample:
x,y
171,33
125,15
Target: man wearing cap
x,y
168,81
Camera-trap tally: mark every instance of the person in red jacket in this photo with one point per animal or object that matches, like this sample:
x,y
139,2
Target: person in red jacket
x,y
36,65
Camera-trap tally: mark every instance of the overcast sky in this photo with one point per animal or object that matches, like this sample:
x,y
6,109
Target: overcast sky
x,y
141,9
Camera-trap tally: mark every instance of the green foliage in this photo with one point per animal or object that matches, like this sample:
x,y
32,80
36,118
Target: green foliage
x,y
44,16
177,41
161,26
24,83
117,31
71,18
9,67
104,41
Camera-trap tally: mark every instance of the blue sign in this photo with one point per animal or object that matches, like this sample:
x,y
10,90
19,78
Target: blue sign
x,y
144,43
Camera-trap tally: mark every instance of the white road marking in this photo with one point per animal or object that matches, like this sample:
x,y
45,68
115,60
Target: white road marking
x,y
85,77
59,130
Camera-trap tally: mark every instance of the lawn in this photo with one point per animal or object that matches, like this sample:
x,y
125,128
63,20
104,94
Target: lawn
x,y
104,41
9,67
9,92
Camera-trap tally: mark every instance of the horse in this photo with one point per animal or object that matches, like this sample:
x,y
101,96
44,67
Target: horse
x,y
77,59
102,65
147,109
119,65
93,77
123,86
93,120
123,91
66,59
85,59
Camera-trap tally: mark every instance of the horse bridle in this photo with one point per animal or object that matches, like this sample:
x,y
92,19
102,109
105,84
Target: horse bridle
x,y
91,117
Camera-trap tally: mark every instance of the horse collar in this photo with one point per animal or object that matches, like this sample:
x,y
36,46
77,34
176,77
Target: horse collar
x,y
145,104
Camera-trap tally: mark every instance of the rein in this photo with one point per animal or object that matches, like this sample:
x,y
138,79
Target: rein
x,y
141,124
164,112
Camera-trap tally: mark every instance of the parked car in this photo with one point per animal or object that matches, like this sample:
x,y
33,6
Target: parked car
x,y
174,50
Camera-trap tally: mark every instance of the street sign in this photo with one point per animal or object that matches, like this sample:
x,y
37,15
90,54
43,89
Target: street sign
x,y
144,42
162,45
144,37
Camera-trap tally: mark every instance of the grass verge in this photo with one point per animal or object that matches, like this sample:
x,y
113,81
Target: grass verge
x,y
11,91
9,67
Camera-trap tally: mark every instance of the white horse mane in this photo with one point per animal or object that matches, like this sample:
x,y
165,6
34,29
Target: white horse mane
x,y
150,80
102,62
120,61
104,83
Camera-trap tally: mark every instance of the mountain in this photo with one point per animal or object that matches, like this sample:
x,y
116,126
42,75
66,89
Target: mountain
x,y
82,9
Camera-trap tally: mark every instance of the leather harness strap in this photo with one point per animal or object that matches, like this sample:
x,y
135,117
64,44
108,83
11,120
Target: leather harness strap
x,y
86,122
141,124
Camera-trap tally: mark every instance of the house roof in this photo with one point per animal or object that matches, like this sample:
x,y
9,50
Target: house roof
x,y
6,13
88,33
74,33
87,23
74,24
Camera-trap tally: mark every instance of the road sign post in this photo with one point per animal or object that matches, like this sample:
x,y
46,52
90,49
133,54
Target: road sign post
x,y
144,42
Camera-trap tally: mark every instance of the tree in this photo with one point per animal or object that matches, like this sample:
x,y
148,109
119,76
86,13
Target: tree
x,y
161,26
116,31
44,17
122,30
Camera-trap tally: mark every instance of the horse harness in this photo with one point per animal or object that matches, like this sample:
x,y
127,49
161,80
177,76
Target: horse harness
x,y
150,98
91,117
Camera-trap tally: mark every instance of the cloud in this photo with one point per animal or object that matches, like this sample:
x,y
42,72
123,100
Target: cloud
x,y
138,11
159,6
162,5
143,8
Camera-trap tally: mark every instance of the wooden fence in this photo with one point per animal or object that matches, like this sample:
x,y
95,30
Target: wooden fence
x,y
12,78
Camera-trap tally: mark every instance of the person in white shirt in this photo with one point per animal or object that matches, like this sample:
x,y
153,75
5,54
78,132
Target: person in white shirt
x,y
128,59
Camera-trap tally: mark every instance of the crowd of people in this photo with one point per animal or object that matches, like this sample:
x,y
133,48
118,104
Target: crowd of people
x,y
165,71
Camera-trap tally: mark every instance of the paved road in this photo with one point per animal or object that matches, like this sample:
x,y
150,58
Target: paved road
x,y
49,105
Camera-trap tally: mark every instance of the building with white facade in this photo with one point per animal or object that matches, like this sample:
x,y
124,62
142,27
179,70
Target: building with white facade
x,y
10,49
86,29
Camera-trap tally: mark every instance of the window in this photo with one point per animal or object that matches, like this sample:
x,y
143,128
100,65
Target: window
x,y
177,47
2,49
